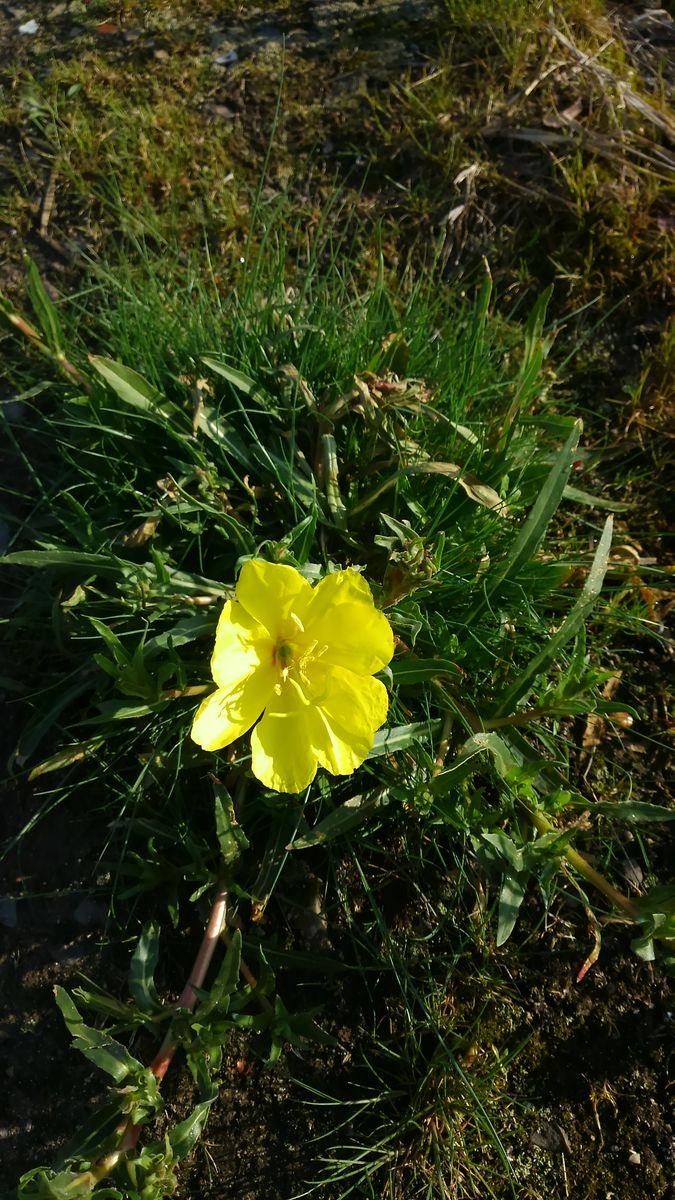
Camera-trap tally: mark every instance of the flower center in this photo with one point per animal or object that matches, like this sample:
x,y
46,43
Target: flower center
x,y
293,659
284,653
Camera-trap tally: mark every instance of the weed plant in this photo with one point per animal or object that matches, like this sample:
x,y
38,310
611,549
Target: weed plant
x,y
159,432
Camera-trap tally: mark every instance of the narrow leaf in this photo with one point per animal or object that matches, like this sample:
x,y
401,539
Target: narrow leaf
x,y
415,670
534,528
102,564
99,1047
231,837
569,628
44,308
66,757
348,816
142,969
225,983
184,1136
511,897
629,810
243,383
580,497
401,737
131,387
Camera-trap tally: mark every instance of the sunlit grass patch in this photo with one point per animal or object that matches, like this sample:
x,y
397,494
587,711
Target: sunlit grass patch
x,y
144,143
544,106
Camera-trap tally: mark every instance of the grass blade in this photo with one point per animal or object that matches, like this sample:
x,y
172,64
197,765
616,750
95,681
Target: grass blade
x,y
568,629
532,532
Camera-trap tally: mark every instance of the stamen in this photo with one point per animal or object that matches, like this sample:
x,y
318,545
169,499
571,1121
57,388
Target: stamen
x,y
294,684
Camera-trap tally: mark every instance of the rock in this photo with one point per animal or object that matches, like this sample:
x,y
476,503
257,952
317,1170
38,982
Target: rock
x,y
551,1137
228,59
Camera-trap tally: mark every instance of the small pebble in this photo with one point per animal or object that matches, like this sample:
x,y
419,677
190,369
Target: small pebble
x,y
29,27
228,59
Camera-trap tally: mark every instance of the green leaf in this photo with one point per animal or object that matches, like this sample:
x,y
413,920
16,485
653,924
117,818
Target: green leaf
x,y
300,540
348,816
66,757
243,383
225,982
44,308
644,948
99,1047
569,628
215,428
298,1028
507,850
401,737
331,472
658,899
504,759
628,810
579,497
142,968
534,528
131,387
183,632
231,837
184,1136
101,564
416,670
93,1137
115,646
301,960
296,485
511,897
44,1184
535,351
281,831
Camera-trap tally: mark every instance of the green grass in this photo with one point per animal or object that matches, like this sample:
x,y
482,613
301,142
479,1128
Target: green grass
x,y
236,428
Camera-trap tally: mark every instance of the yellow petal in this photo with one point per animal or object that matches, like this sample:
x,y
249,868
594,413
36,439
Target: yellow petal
x,y
230,711
241,646
270,592
282,747
342,617
295,733
354,707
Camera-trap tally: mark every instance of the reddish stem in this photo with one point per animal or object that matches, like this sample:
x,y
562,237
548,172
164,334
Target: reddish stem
x,y
187,999
160,1064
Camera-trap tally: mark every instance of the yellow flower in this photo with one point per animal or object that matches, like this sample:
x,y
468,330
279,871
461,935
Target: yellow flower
x,y
306,656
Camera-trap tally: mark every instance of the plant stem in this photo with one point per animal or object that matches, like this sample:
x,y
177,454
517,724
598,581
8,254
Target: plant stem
x,y
580,864
57,357
444,744
129,1132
